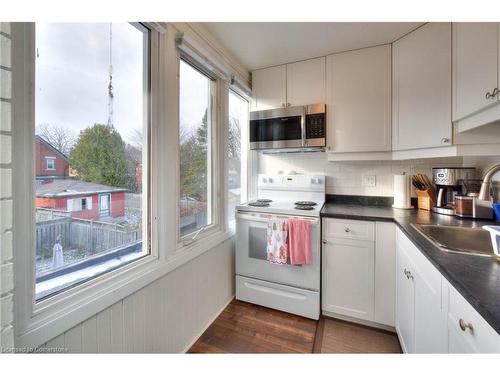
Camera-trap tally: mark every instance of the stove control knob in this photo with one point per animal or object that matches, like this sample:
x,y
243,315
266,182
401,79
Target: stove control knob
x,y
270,180
264,180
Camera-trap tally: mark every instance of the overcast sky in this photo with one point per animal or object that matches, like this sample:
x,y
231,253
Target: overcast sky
x,y
72,76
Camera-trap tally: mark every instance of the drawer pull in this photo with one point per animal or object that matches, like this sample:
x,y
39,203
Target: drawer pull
x,y
464,326
347,230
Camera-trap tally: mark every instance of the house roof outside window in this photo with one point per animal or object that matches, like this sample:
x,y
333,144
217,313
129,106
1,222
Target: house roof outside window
x,y
69,187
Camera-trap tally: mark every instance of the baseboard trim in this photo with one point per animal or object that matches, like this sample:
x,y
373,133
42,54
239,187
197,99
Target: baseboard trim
x,y
359,321
208,325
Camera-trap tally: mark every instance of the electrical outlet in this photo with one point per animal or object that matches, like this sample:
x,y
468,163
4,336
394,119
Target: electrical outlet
x,y
369,180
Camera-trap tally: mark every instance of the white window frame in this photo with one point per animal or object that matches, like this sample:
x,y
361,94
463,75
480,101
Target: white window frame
x,y
215,181
53,160
38,322
35,325
245,154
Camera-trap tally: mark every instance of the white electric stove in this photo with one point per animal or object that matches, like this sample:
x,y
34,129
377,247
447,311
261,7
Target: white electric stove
x,y
291,288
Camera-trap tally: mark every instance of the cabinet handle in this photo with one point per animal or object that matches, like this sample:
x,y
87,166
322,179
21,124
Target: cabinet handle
x,y
464,326
347,230
445,140
408,274
495,92
288,104
324,242
488,95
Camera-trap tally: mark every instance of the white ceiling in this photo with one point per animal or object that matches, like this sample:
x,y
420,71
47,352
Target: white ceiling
x,y
263,44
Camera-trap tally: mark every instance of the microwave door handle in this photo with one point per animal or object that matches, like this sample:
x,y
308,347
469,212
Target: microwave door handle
x,y
303,127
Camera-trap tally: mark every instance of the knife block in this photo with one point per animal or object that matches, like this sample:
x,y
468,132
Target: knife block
x,y
426,199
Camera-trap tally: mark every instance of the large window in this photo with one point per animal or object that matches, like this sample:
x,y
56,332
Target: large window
x,y
195,137
92,84
237,152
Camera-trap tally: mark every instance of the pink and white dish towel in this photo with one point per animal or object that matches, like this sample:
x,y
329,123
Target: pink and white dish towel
x,y
277,241
299,241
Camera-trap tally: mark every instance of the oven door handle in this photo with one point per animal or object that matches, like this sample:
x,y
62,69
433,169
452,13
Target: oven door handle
x,y
264,218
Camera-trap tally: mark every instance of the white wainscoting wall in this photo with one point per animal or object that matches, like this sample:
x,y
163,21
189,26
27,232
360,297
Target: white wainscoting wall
x,y
166,316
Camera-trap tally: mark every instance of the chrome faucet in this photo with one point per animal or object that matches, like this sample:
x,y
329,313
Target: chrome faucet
x,y
482,205
485,192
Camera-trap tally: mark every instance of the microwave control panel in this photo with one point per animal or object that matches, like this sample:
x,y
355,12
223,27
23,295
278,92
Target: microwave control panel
x,y
315,125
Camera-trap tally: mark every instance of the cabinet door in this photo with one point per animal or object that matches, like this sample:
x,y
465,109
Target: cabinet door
x,y
475,335
405,302
359,100
422,88
430,319
269,88
475,68
385,268
305,82
348,278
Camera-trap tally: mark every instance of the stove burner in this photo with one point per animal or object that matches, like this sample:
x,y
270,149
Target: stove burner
x,y
305,203
258,204
264,200
304,207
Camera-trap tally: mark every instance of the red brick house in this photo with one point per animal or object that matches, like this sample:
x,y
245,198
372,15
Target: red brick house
x,y
84,200
56,190
50,163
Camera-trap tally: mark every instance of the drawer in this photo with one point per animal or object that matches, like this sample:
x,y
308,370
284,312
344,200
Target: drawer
x,y
280,297
482,338
352,229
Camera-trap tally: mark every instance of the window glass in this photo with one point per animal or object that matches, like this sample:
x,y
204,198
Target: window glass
x,y
91,127
237,151
195,149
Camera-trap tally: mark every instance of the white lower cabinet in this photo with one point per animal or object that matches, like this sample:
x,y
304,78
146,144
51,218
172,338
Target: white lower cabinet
x,y
358,270
431,316
420,311
468,332
348,275
373,274
405,296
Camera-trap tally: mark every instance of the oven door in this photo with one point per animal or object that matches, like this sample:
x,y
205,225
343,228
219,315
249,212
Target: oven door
x,y
277,128
251,255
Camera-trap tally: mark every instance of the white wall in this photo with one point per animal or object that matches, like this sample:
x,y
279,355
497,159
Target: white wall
x,y
346,177
6,266
164,317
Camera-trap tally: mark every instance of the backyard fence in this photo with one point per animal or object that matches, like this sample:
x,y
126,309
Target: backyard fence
x,y
93,236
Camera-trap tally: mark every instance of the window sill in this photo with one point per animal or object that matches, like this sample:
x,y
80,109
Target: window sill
x,y
53,319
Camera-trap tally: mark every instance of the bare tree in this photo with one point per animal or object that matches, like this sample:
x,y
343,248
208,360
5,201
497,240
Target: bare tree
x,y
58,136
136,139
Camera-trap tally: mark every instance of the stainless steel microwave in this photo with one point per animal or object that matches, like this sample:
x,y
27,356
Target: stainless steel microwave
x,y
290,127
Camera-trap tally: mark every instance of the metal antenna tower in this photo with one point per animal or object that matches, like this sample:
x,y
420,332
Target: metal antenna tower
x,y
110,85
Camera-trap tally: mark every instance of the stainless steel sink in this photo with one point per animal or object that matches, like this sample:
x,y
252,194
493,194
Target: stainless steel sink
x,y
463,240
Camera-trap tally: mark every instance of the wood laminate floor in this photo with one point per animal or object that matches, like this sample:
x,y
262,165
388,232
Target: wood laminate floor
x,y
247,328
337,336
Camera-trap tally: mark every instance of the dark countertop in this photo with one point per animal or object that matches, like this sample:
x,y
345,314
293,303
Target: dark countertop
x,y
476,278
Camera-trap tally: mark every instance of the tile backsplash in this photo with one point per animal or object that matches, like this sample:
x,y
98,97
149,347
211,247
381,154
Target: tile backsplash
x,y
347,178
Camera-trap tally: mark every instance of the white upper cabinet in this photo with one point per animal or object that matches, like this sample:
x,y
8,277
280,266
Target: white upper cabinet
x,y
269,88
299,83
475,67
359,100
305,82
422,88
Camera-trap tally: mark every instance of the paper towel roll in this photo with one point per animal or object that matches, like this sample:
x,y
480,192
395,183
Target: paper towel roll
x,y
402,191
